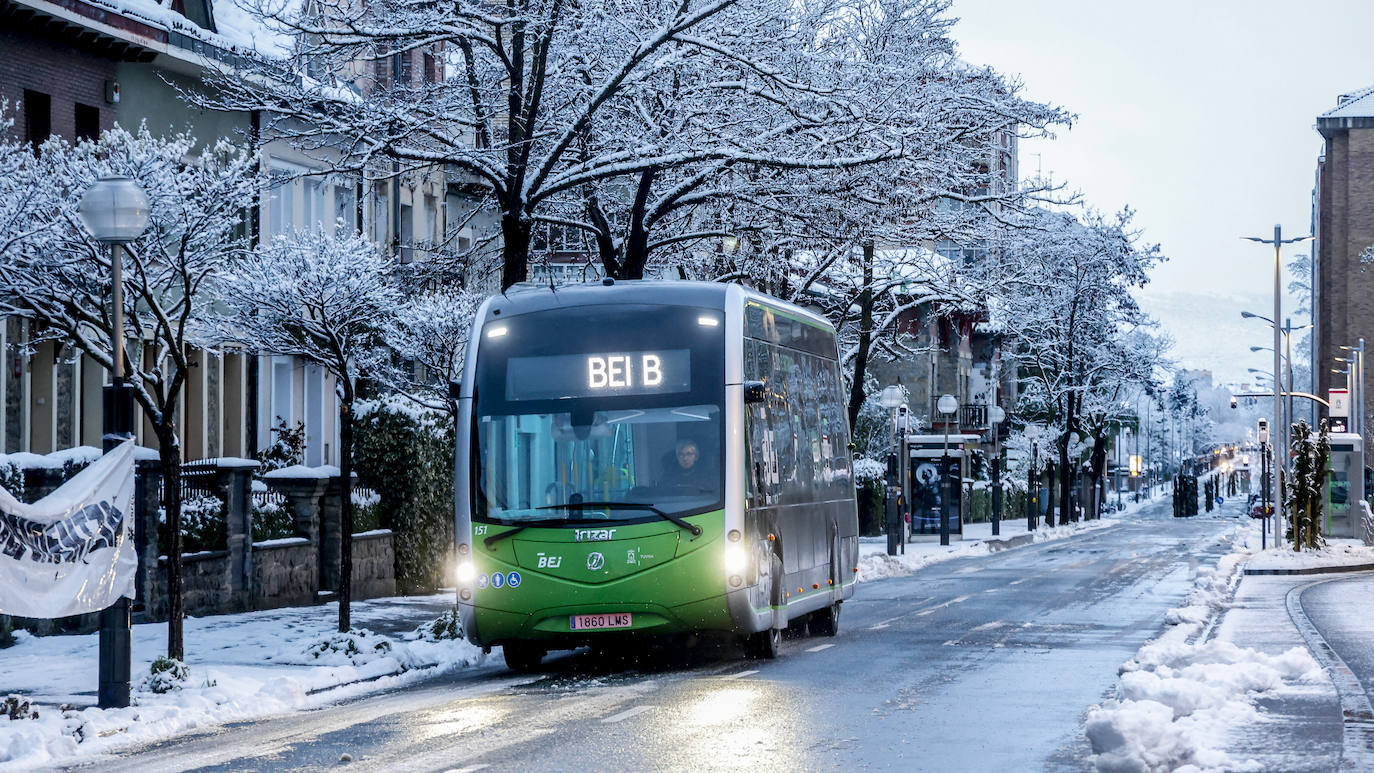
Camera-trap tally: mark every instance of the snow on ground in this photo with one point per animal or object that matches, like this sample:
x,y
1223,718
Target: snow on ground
x,y
1338,552
240,667
1180,694
876,564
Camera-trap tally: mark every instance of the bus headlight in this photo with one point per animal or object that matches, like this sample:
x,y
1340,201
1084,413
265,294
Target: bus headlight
x,y
466,572
735,559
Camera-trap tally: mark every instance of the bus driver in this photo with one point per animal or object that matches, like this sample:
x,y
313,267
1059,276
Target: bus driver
x,y
686,473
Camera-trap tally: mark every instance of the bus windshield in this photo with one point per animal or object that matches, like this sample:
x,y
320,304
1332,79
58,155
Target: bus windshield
x,y
617,405
543,466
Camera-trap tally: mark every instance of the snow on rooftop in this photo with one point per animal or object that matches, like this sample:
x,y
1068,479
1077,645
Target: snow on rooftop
x,y
238,29
1357,105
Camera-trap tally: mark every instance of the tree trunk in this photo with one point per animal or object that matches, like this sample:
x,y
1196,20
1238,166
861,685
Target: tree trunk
x,y
169,454
346,510
515,250
637,243
856,388
1049,495
1099,470
1066,514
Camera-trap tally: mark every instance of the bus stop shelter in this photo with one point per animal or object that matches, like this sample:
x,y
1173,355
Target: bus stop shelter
x,y
928,464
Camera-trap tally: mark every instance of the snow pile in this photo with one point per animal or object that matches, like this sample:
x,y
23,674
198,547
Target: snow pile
x,y
1177,697
251,666
879,566
1337,552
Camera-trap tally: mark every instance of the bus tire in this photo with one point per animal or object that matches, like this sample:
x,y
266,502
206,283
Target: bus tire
x,y
522,656
764,645
825,622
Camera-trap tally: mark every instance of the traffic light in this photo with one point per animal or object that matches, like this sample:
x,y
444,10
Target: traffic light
x,y
1233,402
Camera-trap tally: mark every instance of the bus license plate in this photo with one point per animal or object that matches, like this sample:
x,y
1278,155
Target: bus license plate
x,y
588,622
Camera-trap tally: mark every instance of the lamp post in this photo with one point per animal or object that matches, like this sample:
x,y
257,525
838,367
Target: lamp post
x,y
892,398
995,418
1280,431
946,405
115,211
1356,396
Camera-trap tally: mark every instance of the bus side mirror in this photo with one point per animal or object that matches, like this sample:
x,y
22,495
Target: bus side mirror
x,y
755,392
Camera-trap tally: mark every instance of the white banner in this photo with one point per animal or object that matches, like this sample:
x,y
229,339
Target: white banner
x,y
72,551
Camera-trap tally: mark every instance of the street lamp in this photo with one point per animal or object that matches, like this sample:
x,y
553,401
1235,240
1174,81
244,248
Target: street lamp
x,y
1278,241
115,211
1357,396
946,405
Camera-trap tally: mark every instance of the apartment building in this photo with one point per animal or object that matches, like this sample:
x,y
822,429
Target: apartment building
x,y
1343,284
77,67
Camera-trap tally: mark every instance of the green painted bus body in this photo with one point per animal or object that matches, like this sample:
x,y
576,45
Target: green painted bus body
x,y
668,580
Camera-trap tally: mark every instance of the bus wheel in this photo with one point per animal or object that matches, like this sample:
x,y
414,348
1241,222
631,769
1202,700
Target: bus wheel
x,y
522,656
764,645
825,622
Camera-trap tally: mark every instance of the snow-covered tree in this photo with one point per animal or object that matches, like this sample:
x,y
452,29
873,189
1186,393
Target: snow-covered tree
x,y
430,333
1131,360
59,277
328,299
1067,315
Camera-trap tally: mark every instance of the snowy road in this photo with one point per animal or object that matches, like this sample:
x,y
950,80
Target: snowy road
x,y
974,664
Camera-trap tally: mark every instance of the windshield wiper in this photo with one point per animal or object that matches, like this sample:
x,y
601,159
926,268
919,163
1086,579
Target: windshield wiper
x,y
495,538
693,528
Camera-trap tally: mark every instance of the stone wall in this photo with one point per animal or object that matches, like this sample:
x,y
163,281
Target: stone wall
x,y
286,573
373,565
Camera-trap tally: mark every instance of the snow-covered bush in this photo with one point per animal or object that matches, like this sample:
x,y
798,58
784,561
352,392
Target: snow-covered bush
x,y
356,647
272,519
12,479
869,471
165,675
202,524
287,447
16,707
445,627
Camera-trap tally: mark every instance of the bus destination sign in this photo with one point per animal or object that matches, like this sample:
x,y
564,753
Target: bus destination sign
x,y
595,374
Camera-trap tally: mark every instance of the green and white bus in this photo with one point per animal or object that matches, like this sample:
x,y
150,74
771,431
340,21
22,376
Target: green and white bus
x,y
646,458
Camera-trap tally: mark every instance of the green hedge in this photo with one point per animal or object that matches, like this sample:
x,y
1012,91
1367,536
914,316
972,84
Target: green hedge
x,y
980,505
406,456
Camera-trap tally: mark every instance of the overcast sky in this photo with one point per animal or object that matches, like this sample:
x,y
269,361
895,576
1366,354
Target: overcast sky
x,y
1199,115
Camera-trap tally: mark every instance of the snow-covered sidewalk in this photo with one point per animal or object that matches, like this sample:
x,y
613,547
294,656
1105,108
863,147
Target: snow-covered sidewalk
x,y
241,666
1230,684
876,564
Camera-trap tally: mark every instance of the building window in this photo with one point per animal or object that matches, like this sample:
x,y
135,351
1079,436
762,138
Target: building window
x,y
37,118
314,204
429,68
87,122
345,208
405,68
282,391
381,72
281,205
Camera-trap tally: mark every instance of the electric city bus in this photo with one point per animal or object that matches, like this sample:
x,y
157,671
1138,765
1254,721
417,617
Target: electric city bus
x,y
647,458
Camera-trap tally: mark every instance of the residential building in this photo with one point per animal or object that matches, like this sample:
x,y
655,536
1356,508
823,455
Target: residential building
x,y
1343,287
77,67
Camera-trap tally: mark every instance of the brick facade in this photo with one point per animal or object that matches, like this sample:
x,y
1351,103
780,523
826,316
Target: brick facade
x,y
68,76
1344,288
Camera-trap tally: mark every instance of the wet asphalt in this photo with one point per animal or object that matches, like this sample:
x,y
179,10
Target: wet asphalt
x,y
975,664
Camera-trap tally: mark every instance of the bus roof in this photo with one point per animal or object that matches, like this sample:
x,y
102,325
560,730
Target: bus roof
x,y
523,299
